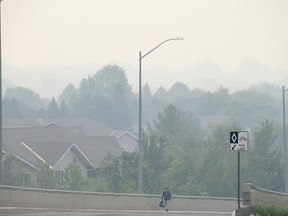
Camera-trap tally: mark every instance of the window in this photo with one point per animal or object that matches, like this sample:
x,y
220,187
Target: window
x,y
59,175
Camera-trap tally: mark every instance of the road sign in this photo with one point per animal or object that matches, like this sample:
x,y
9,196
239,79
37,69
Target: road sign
x,y
239,140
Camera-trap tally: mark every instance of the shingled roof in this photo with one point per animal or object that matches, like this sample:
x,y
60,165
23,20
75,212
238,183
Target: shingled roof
x,y
90,127
50,143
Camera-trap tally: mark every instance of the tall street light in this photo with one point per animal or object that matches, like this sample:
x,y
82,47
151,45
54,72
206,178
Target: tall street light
x,y
284,141
1,176
140,182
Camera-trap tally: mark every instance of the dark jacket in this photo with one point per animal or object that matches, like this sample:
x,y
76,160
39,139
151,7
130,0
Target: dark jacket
x,y
166,195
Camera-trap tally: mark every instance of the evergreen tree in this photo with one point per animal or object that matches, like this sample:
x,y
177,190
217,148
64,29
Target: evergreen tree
x,y
70,96
63,113
263,165
52,110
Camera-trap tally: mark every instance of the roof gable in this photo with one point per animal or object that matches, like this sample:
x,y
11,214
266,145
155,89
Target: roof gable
x,y
79,153
47,152
120,133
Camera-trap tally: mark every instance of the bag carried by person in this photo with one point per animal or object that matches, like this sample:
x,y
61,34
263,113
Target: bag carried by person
x,y
161,204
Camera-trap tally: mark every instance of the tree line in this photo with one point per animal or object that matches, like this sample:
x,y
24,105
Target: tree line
x,y
177,151
187,163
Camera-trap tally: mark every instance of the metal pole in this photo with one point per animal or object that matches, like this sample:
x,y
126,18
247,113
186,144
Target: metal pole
x,y
140,182
284,142
1,176
140,178
238,179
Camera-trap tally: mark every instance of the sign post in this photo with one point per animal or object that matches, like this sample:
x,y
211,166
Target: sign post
x,y
239,142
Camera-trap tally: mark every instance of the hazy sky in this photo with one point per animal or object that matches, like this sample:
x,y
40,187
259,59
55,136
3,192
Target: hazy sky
x,y
218,35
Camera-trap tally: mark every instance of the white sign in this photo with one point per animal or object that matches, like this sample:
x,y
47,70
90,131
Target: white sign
x,y
239,140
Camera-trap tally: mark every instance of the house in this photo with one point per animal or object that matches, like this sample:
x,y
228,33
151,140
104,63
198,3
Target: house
x,y
127,141
57,147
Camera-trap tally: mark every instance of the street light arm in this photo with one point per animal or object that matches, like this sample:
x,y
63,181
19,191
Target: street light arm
x,y
160,45
140,182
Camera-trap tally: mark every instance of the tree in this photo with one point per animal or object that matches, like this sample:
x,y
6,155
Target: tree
x,y
249,107
11,108
161,93
214,103
63,112
13,173
170,153
28,101
95,185
147,104
264,166
153,162
218,170
171,124
73,176
109,172
120,172
52,110
107,78
107,96
45,176
179,92
70,96
182,177
120,110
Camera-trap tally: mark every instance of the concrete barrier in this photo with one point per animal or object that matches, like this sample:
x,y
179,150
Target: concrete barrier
x,y
255,196
41,198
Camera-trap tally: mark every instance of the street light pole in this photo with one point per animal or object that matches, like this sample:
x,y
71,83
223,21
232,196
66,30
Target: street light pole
x,y
284,142
1,176
140,181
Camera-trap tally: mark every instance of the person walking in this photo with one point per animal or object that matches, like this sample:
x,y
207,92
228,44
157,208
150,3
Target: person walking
x,y
167,198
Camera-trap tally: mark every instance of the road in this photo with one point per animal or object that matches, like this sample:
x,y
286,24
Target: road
x,y
41,212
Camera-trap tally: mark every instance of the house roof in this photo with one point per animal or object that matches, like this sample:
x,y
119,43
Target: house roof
x,y
91,127
120,133
48,152
80,154
52,142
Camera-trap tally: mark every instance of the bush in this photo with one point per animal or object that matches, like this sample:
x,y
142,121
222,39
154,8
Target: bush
x,y
269,211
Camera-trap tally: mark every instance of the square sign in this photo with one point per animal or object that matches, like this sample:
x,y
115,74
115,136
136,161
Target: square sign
x,y
239,140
